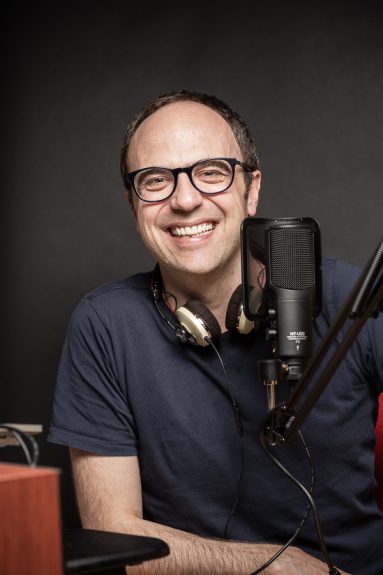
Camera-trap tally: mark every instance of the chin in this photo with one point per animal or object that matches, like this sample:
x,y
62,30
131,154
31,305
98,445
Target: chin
x,y
198,268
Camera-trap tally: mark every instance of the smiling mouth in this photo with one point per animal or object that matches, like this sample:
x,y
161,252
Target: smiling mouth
x,y
192,231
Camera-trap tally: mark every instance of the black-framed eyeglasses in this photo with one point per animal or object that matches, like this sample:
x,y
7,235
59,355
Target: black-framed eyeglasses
x,y
211,176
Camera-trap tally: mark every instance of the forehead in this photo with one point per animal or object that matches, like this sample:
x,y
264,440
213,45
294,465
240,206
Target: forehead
x,y
179,134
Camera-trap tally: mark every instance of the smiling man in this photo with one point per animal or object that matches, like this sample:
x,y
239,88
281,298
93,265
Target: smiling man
x,y
194,236
163,440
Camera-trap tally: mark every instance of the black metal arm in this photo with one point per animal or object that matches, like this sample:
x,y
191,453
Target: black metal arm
x,y
365,301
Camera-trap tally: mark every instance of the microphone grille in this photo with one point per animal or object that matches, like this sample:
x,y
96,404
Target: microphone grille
x,y
292,257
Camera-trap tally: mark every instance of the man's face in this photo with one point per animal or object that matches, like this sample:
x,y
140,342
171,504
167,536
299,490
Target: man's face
x,y
191,232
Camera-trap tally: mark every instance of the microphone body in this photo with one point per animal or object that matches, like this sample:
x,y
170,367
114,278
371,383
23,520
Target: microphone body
x,y
290,320
290,250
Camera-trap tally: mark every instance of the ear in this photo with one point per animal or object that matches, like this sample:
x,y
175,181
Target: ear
x,y
253,193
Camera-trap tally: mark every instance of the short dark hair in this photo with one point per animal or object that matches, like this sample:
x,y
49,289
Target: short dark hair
x,y
238,126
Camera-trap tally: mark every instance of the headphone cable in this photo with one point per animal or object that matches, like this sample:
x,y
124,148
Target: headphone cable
x,y
238,424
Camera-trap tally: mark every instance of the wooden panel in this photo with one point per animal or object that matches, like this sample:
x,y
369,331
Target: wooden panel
x,y
30,524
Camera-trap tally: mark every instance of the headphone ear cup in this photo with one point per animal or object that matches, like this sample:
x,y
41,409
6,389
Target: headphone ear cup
x,y
235,320
198,320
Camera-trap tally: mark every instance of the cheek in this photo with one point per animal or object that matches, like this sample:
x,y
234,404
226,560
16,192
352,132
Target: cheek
x,y
146,226
144,229
145,218
231,203
239,206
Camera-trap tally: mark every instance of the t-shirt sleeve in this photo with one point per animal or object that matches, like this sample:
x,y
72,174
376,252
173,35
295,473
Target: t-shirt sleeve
x,y
368,347
91,409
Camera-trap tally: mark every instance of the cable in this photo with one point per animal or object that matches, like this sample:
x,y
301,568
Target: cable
x,y
308,508
240,431
238,424
311,506
234,507
168,295
27,442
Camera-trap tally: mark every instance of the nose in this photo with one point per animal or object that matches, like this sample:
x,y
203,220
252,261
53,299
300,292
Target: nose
x,y
186,197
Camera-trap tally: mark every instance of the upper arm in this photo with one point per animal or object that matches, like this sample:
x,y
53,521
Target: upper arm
x,y
108,489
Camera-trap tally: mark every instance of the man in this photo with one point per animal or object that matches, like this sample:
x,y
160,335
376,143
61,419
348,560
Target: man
x,y
154,444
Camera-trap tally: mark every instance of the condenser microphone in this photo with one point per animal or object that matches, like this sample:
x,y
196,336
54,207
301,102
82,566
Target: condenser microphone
x,y
289,248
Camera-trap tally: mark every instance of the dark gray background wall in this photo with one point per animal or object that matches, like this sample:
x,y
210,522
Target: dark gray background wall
x,y
306,76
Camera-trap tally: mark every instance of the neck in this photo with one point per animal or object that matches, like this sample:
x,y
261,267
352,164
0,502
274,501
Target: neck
x,y
214,289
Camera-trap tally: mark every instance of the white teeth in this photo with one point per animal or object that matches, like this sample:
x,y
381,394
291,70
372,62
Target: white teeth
x,y
192,230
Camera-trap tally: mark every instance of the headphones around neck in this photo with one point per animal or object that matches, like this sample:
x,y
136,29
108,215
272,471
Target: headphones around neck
x,y
196,323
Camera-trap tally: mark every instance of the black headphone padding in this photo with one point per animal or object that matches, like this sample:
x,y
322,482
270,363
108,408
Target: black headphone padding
x,y
236,320
200,310
233,307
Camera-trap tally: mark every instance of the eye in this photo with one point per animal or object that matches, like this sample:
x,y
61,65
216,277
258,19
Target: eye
x,y
212,172
209,173
152,180
155,183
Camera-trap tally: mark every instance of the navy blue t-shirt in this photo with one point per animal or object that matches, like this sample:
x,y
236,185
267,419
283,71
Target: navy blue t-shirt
x,y
128,386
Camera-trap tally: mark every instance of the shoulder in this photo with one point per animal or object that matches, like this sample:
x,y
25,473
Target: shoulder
x,y
114,301
339,277
136,284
